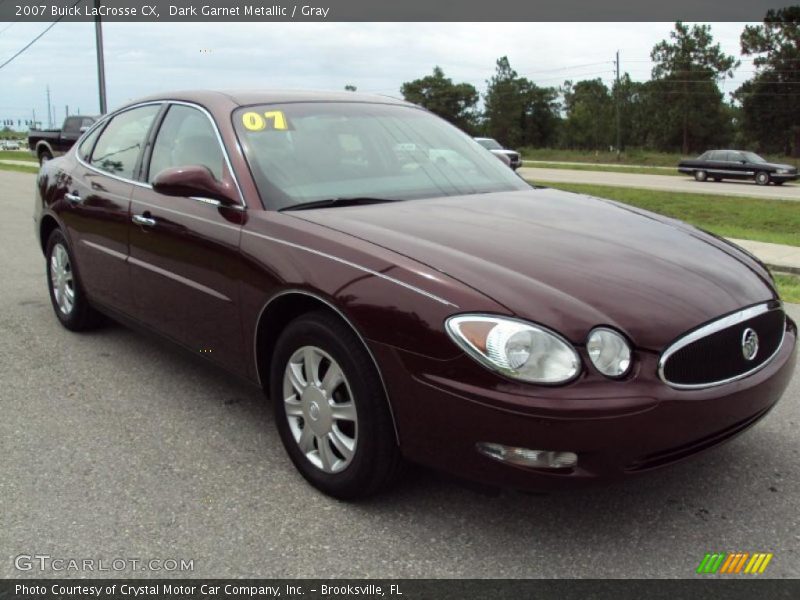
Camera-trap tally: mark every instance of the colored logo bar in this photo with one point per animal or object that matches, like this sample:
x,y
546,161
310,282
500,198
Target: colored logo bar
x,y
730,563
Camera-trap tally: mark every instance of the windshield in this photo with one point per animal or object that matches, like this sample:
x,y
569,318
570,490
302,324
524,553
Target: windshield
x,y
309,151
753,157
489,143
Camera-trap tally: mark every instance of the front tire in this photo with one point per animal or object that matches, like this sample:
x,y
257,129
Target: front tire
x,y
331,409
69,301
700,176
762,178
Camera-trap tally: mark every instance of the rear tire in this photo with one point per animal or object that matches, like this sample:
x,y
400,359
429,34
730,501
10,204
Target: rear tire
x,y
337,430
762,178
66,294
700,176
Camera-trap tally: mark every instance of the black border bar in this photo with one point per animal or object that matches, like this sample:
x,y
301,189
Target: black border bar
x,y
389,10
706,587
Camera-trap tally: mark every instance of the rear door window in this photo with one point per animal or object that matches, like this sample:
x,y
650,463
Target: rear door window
x,y
85,149
718,155
117,151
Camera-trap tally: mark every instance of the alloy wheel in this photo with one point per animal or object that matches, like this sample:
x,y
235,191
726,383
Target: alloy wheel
x,y
320,409
62,279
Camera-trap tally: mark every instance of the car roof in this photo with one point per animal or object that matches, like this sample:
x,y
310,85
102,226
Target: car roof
x,y
251,96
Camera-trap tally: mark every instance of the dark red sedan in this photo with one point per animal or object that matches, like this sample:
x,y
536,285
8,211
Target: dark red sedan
x,y
401,294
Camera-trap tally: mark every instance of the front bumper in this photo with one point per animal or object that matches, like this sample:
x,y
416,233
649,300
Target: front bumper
x,y
783,177
443,409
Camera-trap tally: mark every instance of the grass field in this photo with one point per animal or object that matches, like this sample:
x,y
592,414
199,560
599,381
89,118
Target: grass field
x,y
34,168
788,287
615,169
774,221
16,155
629,157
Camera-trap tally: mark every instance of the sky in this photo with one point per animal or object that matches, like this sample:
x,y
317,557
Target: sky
x,y
146,58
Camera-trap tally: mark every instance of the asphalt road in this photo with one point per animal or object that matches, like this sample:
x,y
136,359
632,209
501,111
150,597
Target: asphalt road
x,y
115,445
788,191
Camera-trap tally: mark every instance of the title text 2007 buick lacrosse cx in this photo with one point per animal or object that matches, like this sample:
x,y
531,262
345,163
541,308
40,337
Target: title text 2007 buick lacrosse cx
x,y
402,294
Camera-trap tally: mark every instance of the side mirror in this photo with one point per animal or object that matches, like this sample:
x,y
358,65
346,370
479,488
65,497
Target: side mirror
x,y
193,180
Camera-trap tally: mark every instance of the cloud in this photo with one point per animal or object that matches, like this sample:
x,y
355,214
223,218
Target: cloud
x,y
144,58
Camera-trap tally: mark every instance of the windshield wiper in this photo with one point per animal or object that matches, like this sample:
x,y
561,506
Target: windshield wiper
x,y
331,202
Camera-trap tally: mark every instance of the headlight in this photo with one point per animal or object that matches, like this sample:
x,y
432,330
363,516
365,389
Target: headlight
x,y
516,349
609,352
782,171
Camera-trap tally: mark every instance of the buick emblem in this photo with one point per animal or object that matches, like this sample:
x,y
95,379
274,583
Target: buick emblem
x,y
749,344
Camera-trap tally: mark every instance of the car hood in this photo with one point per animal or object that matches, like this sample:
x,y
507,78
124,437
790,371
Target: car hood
x,y
505,151
780,166
567,261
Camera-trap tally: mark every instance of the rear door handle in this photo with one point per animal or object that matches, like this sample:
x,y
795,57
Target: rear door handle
x,y
74,198
143,220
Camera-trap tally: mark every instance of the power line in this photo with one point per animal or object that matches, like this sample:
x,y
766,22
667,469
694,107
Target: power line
x,y
34,40
605,62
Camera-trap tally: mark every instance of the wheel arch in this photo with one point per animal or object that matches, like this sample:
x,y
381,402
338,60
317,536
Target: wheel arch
x,y
47,225
42,146
286,306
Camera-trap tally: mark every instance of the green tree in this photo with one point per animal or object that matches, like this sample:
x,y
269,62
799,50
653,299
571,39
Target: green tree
x,y
541,115
517,112
590,117
771,99
686,75
504,104
454,102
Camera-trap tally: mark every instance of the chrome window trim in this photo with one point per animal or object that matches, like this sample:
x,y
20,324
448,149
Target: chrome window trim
x,y
241,206
346,320
711,328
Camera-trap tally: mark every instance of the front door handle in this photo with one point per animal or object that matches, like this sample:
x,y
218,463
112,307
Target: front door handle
x,y
74,198
143,220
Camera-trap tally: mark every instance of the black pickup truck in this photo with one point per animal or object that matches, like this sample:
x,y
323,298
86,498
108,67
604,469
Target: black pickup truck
x,y
48,143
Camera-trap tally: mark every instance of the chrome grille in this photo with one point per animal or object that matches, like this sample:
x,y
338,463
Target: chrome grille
x,y
716,353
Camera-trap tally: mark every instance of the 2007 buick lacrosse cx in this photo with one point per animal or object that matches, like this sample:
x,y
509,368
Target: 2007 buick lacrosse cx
x,y
401,294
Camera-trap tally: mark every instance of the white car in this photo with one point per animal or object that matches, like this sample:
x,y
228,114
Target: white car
x,y
10,145
511,156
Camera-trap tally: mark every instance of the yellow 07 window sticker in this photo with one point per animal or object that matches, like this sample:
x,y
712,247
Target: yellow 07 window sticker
x,y
270,120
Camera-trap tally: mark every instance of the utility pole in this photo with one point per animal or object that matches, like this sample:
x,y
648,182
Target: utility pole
x,y
101,68
66,111
49,114
619,124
